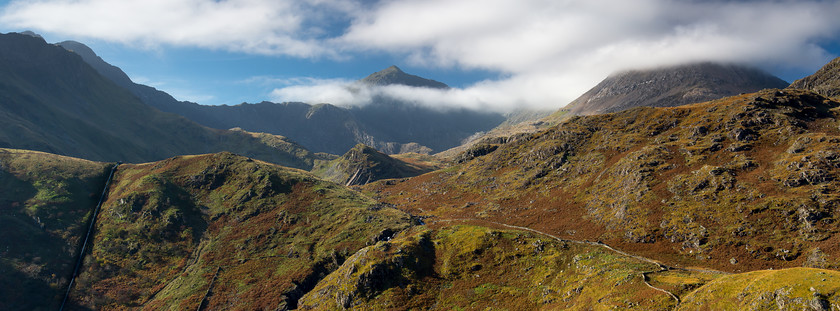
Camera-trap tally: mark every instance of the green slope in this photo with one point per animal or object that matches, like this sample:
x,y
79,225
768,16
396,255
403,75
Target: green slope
x,y
270,232
786,289
227,232
476,268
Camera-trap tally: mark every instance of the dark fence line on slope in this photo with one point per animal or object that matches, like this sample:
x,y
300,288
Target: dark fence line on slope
x,y
203,302
87,236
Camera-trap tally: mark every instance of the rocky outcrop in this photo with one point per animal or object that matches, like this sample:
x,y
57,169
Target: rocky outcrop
x,y
825,81
362,165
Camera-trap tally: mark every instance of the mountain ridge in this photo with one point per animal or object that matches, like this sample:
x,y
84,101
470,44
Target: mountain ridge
x,y
326,127
54,101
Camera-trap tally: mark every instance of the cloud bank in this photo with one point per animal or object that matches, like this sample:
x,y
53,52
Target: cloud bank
x,y
272,27
548,51
500,96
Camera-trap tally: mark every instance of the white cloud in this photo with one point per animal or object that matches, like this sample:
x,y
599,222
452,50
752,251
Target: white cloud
x,y
516,35
500,96
252,26
315,91
549,51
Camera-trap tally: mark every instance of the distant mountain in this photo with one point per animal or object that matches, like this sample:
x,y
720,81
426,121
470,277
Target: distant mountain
x,y
825,81
666,87
393,122
388,125
671,87
148,95
53,101
518,122
109,71
395,76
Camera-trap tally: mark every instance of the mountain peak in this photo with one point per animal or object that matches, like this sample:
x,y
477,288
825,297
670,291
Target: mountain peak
x,y
31,34
79,48
672,86
393,69
394,75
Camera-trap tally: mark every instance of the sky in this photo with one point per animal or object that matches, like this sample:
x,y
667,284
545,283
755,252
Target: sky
x,y
496,54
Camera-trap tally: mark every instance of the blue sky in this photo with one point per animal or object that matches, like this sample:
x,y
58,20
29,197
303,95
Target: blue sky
x,y
498,54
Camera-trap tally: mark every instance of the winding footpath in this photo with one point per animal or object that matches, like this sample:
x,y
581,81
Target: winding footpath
x,y
645,277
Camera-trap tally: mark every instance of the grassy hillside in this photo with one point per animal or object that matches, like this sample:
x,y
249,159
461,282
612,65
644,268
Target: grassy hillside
x,y
462,267
45,205
221,231
787,289
475,268
737,184
235,233
725,205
